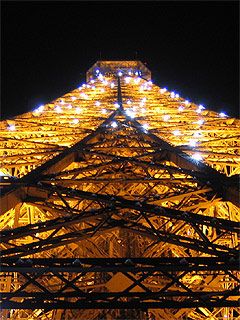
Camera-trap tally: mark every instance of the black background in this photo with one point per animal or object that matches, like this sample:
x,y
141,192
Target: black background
x,y
190,47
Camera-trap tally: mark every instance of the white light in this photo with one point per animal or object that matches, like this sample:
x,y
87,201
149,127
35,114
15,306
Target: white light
x,y
11,127
192,143
120,74
201,107
78,110
93,87
114,124
105,82
104,111
102,90
130,73
136,73
150,83
177,95
129,102
176,132
199,110
83,85
112,85
186,102
222,114
97,103
88,85
69,106
181,108
92,81
200,122
97,71
75,121
116,105
127,79
137,80
130,113
144,99
143,110
166,117
172,95
197,134
197,156
145,126
83,95
39,109
62,102
100,76
74,98
163,90
58,109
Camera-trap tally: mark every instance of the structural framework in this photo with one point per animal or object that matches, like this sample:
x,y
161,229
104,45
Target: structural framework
x,y
119,200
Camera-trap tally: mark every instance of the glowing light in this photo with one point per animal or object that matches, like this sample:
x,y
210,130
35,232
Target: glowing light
x,y
201,107
137,80
120,74
197,156
192,143
97,103
177,95
222,115
181,108
112,85
74,98
11,127
116,105
62,102
163,90
114,124
92,81
172,94
145,126
150,83
102,90
105,82
136,73
143,110
39,109
97,71
166,117
84,95
197,134
200,122
176,133
78,110
130,73
129,102
104,111
186,102
58,109
100,76
75,121
130,113
144,99
127,79
199,110
69,106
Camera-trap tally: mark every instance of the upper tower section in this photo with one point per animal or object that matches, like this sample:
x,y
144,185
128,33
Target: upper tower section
x,y
118,68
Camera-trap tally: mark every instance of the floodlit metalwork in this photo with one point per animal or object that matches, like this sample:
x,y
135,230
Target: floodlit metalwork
x,y
119,200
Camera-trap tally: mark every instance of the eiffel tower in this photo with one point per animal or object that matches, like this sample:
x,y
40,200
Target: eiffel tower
x,y
119,200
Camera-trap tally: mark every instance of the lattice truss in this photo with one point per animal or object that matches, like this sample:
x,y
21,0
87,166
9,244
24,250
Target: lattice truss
x,y
120,201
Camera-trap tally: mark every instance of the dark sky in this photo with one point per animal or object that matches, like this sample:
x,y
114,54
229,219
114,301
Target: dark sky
x,y
190,47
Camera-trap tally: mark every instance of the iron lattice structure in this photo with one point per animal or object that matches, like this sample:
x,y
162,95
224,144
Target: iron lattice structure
x,y
119,200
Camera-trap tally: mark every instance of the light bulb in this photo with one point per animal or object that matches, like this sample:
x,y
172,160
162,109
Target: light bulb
x,y
11,127
104,111
222,114
114,124
197,156
78,110
166,117
58,109
181,108
192,143
75,121
176,132
97,103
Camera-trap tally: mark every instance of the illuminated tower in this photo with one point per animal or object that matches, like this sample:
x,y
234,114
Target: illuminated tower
x,y
119,201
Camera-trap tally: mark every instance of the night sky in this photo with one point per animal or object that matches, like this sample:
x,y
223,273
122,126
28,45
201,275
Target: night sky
x,y
190,47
